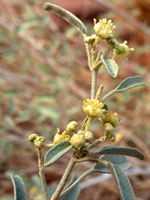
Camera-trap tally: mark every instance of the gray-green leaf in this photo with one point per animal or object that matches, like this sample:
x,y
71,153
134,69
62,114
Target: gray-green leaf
x,y
19,188
67,16
73,194
111,66
126,84
123,183
56,152
126,151
114,159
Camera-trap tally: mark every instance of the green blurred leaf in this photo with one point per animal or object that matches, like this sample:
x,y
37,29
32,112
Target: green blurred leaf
x,y
45,69
111,66
128,83
73,194
123,183
56,152
10,93
67,16
37,182
19,188
126,151
114,159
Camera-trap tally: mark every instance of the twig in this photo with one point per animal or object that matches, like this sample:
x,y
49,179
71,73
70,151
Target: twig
x,y
64,179
41,173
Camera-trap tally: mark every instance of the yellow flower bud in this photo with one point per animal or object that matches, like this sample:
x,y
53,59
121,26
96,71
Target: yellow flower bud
x,y
122,50
108,130
77,140
32,137
88,135
113,138
93,108
72,127
104,28
38,142
93,39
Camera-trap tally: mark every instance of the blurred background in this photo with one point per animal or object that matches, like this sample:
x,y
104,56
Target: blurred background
x,y
44,79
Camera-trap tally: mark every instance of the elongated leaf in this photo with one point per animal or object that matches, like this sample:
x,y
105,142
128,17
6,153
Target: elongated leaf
x,y
56,152
126,151
123,183
74,192
67,16
19,188
111,66
114,159
128,83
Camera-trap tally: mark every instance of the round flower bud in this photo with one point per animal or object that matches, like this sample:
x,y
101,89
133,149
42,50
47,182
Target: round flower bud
x,y
32,137
113,138
108,130
88,135
72,127
57,138
77,140
93,108
104,28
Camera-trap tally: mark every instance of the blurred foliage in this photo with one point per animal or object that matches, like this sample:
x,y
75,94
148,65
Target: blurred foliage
x,y
44,78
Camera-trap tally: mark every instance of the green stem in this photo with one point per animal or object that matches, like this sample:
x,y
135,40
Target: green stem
x,y
64,179
108,95
93,84
85,174
97,141
41,173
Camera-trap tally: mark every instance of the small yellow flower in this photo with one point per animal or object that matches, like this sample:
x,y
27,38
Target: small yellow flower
x,y
122,50
104,28
60,137
93,108
88,135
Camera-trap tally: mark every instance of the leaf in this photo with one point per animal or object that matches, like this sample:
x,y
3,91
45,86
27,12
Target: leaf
x,y
123,183
67,16
56,152
74,192
51,190
111,66
128,83
114,159
126,151
19,188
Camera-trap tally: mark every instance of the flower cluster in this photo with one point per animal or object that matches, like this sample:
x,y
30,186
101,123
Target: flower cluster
x,y
122,50
38,140
104,28
93,108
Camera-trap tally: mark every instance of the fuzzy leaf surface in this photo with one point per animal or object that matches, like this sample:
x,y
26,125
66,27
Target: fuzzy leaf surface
x,y
111,66
19,188
128,83
56,152
115,160
73,194
126,151
123,183
67,16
